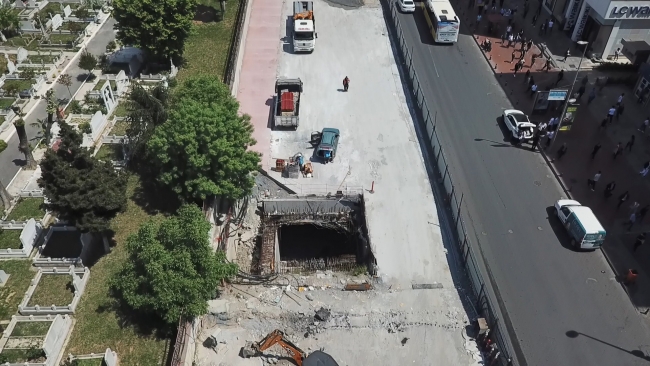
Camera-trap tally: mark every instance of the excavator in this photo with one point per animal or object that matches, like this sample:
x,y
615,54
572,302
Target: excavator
x,y
316,358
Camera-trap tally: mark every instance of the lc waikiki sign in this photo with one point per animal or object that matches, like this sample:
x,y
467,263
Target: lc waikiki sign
x,y
617,12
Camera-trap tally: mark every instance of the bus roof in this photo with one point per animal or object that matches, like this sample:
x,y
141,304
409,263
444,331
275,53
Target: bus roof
x,y
443,10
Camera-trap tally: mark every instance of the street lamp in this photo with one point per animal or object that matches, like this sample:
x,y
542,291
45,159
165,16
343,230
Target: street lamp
x,y
570,95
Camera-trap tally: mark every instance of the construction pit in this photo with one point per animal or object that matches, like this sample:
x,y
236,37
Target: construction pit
x,y
307,269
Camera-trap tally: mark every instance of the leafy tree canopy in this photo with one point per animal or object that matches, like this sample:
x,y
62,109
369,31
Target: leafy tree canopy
x,y
202,148
8,18
159,27
87,61
80,189
172,270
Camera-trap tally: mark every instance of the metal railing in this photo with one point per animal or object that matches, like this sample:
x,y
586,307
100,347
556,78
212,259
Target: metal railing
x,y
484,304
233,50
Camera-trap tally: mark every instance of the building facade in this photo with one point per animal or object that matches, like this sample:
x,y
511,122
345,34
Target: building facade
x,y
603,23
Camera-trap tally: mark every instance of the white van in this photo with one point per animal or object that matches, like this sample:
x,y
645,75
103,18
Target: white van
x,y
583,227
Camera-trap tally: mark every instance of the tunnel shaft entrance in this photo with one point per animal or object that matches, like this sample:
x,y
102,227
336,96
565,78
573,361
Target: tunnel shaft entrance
x,y
305,235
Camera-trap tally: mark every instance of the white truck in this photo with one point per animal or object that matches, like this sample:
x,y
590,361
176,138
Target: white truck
x,y
304,26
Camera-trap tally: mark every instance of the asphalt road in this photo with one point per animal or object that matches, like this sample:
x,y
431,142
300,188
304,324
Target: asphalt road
x,y
546,288
11,159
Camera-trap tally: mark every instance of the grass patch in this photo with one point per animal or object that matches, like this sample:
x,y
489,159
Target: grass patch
x,y
39,59
119,129
121,110
53,290
110,152
31,329
61,38
53,8
26,209
22,355
20,275
66,25
97,324
113,84
5,103
99,85
16,41
206,51
89,362
10,239
18,84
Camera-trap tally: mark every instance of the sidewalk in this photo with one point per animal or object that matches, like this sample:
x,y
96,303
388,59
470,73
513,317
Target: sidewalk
x,y
576,166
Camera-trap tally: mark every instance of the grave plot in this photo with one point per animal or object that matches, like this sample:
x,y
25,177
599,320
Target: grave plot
x,y
110,152
34,339
20,274
27,208
64,246
54,291
120,127
17,240
108,358
10,239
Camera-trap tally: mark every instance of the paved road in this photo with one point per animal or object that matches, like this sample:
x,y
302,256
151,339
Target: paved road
x,y
546,288
11,159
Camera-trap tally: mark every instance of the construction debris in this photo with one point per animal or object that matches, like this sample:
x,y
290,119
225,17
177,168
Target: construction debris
x,y
427,286
322,314
358,287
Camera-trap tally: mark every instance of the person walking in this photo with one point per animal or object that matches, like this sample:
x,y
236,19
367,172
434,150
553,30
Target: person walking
x,y
547,65
566,55
542,29
549,138
622,198
531,82
561,151
630,222
527,78
609,189
591,183
634,206
617,53
554,123
646,168
644,125
533,89
619,111
603,123
529,45
617,150
346,84
541,127
513,56
533,58
549,27
534,23
620,99
611,113
595,150
581,91
508,30
517,68
640,240
535,141
630,143
560,76
642,212
592,95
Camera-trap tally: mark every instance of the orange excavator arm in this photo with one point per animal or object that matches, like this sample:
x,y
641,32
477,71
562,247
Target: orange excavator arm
x,y
277,337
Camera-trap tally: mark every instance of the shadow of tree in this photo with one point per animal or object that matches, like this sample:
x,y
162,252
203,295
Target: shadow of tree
x,y
143,323
150,195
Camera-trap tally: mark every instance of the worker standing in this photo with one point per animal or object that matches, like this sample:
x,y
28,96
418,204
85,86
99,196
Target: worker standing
x,y
346,84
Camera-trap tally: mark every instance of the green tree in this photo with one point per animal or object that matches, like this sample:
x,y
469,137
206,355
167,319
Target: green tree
x,y
52,107
66,79
27,73
82,13
23,144
80,189
202,148
76,27
5,197
87,61
9,21
159,27
147,109
172,270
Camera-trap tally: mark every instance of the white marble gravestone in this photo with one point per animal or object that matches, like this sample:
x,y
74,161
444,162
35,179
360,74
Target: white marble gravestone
x,y
11,67
67,11
57,21
22,55
108,97
3,278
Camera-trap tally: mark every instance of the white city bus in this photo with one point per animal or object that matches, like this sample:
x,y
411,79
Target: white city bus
x,y
443,22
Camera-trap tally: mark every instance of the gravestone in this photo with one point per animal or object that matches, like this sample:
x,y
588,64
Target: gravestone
x,y
108,97
3,278
22,55
11,67
96,123
67,11
121,83
57,21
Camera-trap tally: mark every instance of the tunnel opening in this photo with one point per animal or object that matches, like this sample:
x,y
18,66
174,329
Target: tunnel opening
x,y
316,233
306,241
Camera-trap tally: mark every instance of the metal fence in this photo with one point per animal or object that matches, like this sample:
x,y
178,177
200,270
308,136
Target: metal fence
x,y
233,50
483,300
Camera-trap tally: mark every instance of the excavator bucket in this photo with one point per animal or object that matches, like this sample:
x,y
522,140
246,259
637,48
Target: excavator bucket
x,y
319,358
249,350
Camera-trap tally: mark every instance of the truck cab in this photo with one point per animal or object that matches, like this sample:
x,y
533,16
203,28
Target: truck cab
x,y
304,26
581,223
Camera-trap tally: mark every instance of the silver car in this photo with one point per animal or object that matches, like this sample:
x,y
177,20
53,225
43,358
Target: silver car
x,y
519,125
406,6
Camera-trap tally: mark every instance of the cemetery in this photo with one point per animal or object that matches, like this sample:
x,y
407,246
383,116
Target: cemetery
x,y
10,239
27,208
34,340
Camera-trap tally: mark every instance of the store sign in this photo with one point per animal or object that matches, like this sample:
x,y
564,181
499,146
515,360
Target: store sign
x,y
557,94
582,22
573,14
630,12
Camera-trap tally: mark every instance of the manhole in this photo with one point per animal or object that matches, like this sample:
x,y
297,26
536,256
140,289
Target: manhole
x,y
538,183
